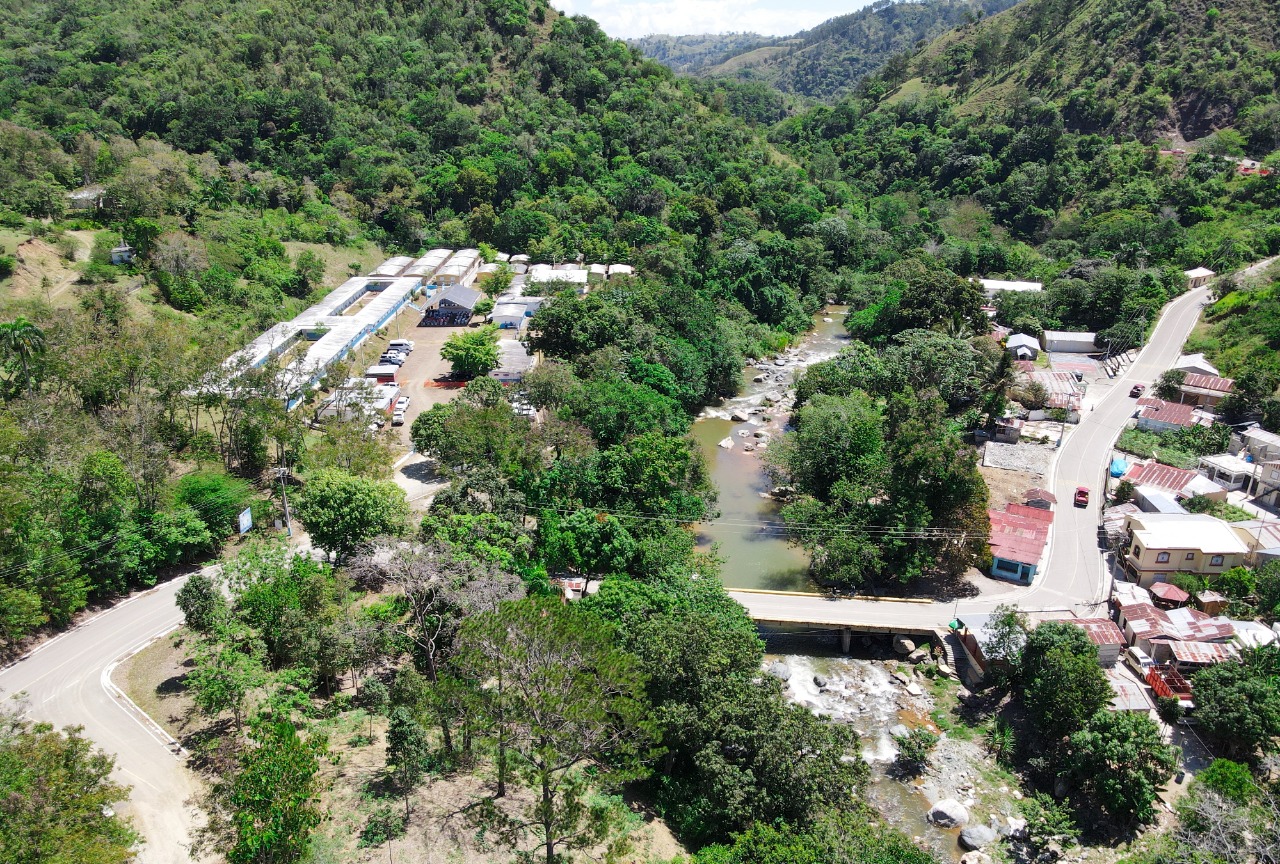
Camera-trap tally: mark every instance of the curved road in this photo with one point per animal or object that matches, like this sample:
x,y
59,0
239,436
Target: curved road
x,y
67,682
1075,579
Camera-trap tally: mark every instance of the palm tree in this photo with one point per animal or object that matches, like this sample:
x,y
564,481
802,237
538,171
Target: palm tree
x,y
22,340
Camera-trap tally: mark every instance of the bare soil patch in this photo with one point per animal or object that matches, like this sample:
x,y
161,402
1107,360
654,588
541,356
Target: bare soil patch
x,y
1005,486
153,679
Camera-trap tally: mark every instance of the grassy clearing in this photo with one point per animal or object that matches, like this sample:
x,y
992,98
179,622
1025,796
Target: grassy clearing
x,y
337,259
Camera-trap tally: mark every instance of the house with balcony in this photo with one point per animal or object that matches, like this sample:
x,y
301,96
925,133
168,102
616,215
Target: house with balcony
x,y
1162,544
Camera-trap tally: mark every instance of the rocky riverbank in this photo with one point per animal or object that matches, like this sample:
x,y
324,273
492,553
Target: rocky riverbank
x,y
963,804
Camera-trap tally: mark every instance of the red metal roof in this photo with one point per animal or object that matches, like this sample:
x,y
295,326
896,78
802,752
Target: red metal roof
x,y
1170,412
1209,382
1101,631
1163,476
1029,512
1019,535
1170,592
1040,495
1200,653
1185,624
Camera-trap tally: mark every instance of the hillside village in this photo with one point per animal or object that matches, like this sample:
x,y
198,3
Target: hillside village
x,y
445,433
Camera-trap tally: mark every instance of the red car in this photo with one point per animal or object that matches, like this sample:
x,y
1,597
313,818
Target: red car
x,y
1137,390
1082,496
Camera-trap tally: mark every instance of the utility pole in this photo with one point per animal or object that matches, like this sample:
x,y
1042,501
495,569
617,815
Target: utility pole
x,y
284,498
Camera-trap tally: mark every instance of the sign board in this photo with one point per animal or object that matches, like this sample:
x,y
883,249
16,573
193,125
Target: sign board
x,y
246,520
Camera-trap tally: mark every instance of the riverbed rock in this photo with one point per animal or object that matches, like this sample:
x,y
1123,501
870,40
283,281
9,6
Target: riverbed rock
x,y
760,433
915,689
826,320
976,837
945,670
975,857
903,645
820,680
899,730
779,670
738,416
1061,788
779,362
727,443
949,813
1014,827
759,379
918,656
748,448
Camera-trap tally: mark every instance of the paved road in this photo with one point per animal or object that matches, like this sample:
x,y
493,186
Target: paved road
x,y
67,683
1075,578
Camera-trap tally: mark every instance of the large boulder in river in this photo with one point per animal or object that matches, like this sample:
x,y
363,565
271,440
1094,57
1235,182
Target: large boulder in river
x,y
918,656
976,837
739,416
779,670
903,645
949,813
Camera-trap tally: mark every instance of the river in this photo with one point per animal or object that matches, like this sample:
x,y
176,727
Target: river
x,y
748,530
862,690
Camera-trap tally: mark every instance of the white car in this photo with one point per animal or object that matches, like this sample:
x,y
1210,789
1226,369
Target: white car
x,y
402,404
405,345
397,419
1139,661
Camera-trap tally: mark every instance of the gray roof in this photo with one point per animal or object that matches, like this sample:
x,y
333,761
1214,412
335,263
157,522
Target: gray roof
x,y
1019,340
460,296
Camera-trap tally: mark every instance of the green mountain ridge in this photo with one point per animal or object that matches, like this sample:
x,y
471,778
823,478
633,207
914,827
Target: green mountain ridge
x,y
690,53
1151,68
827,61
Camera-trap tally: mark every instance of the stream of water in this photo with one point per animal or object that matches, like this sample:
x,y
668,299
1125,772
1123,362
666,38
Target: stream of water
x,y
747,532
859,691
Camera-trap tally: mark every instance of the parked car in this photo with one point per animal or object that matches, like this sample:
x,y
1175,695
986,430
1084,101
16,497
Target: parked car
x,y
1137,390
397,419
1137,660
405,345
1082,496
402,404
393,359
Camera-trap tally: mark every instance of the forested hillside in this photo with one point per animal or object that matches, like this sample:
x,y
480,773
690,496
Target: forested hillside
x,y
828,61
691,53
1139,67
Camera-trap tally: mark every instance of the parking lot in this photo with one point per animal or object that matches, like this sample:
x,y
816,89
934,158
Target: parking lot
x,y
418,380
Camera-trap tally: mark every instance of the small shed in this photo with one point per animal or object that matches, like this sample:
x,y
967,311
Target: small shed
x,y
1008,430
1104,634
122,254
510,315
1041,499
1197,277
1211,603
1022,346
1153,499
1069,342
1196,364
